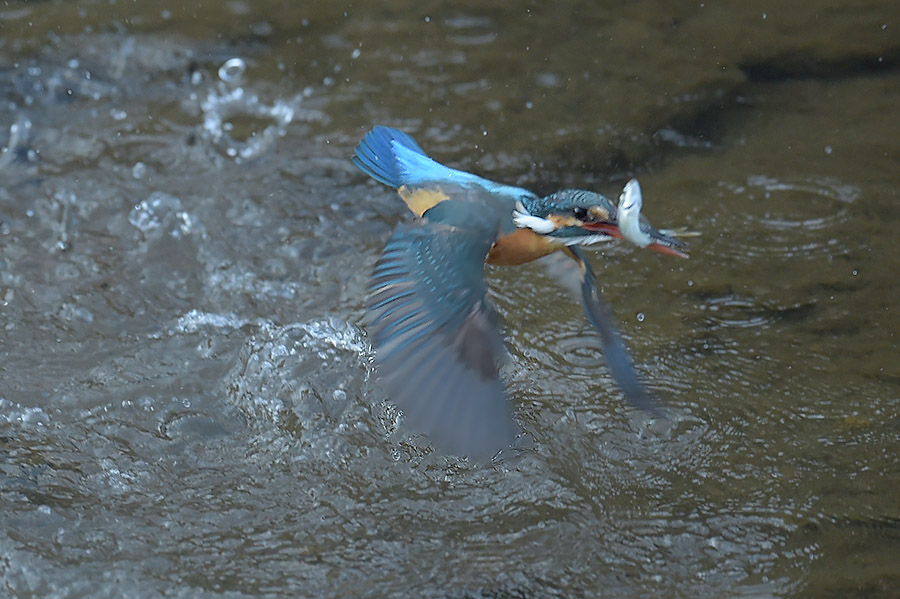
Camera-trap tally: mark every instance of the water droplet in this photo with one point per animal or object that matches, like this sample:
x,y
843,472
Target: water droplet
x,y
233,70
640,317
828,149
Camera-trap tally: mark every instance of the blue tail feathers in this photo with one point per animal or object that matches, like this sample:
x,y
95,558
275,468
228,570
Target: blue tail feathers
x,y
377,155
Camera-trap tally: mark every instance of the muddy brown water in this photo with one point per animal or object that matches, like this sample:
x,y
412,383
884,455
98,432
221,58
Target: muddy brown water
x,y
188,406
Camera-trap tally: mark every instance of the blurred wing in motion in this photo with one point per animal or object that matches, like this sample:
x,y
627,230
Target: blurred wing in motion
x,y
437,341
617,357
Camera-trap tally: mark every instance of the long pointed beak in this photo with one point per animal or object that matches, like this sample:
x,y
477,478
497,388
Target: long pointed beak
x,y
660,241
666,244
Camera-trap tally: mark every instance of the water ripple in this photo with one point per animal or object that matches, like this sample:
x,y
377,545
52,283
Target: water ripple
x,y
802,218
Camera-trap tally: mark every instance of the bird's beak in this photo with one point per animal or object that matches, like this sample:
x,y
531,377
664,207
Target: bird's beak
x,y
660,241
666,243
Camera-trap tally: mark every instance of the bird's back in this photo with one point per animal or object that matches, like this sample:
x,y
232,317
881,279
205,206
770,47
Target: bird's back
x,y
394,158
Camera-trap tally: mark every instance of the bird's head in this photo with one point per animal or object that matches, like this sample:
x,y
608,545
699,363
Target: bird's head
x,y
578,217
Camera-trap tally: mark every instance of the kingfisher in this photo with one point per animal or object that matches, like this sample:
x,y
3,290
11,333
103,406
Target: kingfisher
x,y
437,340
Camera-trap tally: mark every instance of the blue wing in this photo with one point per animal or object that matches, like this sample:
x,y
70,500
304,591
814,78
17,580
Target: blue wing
x,y
394,158
618,359
436,339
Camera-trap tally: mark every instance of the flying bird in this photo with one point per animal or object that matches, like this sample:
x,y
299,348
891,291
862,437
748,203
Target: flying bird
x,y
437,340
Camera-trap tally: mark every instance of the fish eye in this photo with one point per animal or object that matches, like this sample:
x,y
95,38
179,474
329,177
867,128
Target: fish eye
x,y
579,212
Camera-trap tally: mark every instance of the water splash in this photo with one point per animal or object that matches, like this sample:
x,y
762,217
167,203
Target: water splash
x,y
195,320
164,212
296,374
238,123
15,413
232,72
18,147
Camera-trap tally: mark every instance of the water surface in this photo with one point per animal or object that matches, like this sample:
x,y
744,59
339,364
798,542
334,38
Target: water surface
x,y
188,405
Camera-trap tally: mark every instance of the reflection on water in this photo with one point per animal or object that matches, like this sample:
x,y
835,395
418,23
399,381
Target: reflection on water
x,y
188,405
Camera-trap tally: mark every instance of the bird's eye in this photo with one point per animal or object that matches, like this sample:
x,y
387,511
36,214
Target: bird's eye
x,y
579,212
